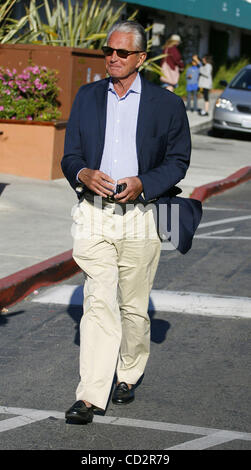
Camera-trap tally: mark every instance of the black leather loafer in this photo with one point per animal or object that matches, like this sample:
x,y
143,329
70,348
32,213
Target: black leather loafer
x,y
79,413
122,394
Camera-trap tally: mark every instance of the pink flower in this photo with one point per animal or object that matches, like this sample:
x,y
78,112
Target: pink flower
x,y
1,108
24,76
38,84
35,70
29,118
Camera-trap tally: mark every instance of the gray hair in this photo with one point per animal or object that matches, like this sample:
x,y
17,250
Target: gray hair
x,y
131,27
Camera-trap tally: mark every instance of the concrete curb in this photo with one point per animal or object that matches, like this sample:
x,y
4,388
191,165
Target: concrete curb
x,y
17,286
207,190
201,126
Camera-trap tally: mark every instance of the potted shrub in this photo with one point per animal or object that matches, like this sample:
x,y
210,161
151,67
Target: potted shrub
x,y
65,38
32,137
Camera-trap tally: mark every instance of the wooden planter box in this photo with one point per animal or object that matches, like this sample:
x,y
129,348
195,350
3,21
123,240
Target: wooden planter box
x,y
76,66
32,149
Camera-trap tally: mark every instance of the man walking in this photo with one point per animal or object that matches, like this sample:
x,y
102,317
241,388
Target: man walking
x,y
127,141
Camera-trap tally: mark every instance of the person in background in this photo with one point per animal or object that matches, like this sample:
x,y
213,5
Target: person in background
x,y
172,64
206,82
192,78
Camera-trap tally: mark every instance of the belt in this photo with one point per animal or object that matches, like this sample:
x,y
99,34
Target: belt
x,y
110,199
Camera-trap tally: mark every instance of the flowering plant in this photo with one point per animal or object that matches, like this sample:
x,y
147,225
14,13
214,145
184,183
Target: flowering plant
x,y
30,95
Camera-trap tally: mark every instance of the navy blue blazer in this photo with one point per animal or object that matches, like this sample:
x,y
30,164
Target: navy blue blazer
x,y
163,147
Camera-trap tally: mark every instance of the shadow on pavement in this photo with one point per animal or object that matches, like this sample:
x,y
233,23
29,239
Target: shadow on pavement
x,y
230,135
2,187
4,318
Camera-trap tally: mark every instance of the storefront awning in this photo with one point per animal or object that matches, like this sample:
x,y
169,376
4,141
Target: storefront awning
x,y
232,12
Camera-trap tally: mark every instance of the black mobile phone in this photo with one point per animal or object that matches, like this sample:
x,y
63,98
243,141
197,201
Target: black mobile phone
x,y
120,188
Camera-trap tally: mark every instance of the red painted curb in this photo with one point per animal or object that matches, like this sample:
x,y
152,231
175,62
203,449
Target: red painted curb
x,y
15,287
206,190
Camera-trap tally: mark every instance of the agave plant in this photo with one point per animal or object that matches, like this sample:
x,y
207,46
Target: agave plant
x,y
84,25
149,63
11,30
5,10
80,26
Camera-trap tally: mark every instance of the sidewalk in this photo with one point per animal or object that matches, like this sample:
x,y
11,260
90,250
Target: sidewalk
x,y
205,167
35,221
36,215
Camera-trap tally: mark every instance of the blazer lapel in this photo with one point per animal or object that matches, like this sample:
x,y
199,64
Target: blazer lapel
x,y
101,103
144,124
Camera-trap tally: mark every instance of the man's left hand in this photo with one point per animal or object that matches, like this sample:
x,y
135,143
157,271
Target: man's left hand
x,y
133,189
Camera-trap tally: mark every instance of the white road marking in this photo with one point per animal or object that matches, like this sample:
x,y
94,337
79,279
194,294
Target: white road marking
x,y
224,221
216,231
162,300
211,437
155,425
30,412
25,416
222,209
222,238
16,422
203,443
213,235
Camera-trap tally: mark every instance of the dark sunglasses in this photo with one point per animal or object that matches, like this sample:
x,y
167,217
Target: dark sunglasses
x,y
123,53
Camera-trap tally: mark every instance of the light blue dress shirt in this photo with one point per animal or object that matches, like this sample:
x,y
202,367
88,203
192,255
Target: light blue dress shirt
x,y
119,158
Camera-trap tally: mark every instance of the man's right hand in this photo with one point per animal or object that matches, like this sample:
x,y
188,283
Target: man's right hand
x,y
97,181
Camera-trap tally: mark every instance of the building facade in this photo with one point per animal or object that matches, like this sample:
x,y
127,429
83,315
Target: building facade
x,y
216,27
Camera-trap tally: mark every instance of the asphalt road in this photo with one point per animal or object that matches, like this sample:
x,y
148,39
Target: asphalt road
x,y
196,388
220,262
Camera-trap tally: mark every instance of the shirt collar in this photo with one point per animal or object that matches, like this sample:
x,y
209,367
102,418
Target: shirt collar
x,y
134,88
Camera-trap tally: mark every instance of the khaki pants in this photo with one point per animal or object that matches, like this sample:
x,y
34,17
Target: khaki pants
x,y
119,256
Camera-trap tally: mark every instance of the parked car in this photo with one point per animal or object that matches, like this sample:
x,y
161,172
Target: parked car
x,y
233,108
